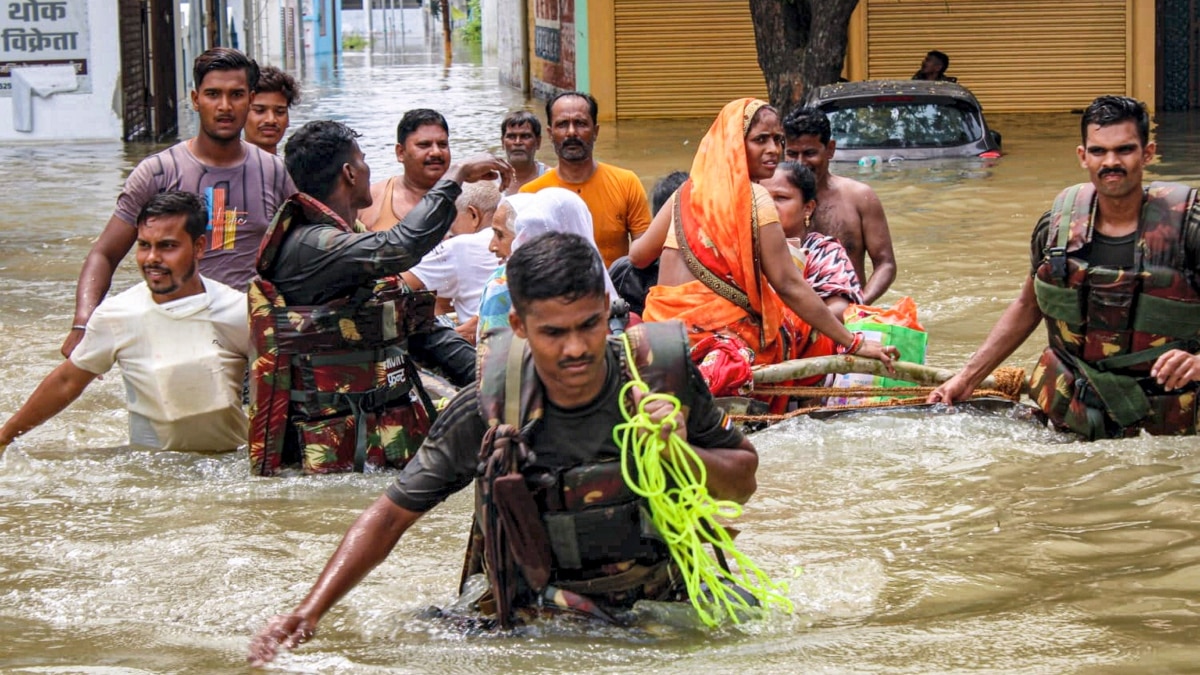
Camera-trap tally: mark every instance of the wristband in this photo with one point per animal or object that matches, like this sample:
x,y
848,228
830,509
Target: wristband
x,y
79,327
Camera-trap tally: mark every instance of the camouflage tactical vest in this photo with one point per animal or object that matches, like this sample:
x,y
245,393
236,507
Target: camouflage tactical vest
x,y
332,387
1107,325
578,526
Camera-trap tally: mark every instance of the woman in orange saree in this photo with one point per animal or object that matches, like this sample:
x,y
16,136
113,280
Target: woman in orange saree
x,y
725,267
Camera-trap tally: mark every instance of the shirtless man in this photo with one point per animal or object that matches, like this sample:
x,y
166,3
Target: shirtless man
x,y
847,210
423,148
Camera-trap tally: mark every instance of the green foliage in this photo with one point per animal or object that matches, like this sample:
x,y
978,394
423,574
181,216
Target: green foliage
x,y
353,42
472,33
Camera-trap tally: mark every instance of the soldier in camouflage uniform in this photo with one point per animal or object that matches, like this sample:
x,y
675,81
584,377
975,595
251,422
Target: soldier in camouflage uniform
x,y
1116,278
333,327
535,436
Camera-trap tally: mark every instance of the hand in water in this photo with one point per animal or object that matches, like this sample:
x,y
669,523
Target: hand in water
x,y
482,166
286,631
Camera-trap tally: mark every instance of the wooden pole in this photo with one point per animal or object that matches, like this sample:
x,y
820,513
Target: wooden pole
x,y
824,365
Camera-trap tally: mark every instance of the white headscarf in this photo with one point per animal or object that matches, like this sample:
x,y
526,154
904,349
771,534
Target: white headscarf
x,y
556,209
516,202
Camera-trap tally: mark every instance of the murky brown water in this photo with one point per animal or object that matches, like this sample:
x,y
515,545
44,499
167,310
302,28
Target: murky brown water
x,y
917,545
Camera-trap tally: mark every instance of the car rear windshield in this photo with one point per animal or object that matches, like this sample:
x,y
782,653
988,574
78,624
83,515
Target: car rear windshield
x,y
904,124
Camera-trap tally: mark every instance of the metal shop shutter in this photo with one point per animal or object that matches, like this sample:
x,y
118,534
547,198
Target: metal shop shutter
x,y
1014,55
683,59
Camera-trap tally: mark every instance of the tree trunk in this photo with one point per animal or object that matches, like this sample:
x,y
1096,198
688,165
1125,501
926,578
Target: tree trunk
x,y
801,44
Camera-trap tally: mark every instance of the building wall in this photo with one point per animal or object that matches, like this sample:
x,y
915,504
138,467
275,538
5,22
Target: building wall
x,y
1015,55
512,47
83,115
552,48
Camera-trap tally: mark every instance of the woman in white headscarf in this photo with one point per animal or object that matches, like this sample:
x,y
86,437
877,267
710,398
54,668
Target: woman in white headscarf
x,y
548,210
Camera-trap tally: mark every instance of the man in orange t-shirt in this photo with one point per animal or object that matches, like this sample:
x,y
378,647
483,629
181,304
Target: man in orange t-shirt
x,y
614,196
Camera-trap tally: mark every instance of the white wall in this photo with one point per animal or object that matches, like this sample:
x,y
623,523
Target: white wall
x,y
491,28
412,21
71,116
512,42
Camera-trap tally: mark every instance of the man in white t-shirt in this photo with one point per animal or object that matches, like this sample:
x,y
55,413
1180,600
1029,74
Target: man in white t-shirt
x,y
458,268
181,341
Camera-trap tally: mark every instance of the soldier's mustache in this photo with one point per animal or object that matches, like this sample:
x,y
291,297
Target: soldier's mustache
x,y
1105,172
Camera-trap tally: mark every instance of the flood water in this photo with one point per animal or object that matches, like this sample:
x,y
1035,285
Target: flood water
x,y
911,544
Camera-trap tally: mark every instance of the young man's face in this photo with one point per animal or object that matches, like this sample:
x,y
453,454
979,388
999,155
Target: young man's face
x,y
167,256
1115,158
572,129
520,144
268,120
567,339
425,154
812,152
223,100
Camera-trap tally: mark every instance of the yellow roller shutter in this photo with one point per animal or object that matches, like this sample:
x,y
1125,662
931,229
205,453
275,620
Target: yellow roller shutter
x,y
683,59
1014,55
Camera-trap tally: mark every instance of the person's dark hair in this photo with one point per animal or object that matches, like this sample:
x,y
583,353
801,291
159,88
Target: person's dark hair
x,y
517,118
224,58
554,265
801,177
176,203
664,188
1107,110
416,118
807,121
941,56
315,154
272,79
593,108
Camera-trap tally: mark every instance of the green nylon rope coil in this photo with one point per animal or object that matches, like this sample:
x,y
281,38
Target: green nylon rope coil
x,y
684,513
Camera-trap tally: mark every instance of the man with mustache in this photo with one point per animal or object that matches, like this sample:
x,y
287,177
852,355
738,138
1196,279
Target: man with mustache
x,y
1116,277
336,332
241,184
423,149
269,108
181,340
521,136
569,378
615,196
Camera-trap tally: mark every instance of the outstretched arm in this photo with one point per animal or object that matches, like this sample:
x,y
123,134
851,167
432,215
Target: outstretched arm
x,y
795,292
370,539
63,385
878,241
1015,325
97,273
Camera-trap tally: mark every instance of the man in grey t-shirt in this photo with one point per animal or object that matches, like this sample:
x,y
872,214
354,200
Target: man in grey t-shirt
x,y
242,185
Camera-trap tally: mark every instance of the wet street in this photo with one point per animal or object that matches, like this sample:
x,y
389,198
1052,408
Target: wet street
x,y
910,544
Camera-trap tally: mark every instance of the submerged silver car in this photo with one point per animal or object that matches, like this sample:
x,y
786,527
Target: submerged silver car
x,y
890,120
